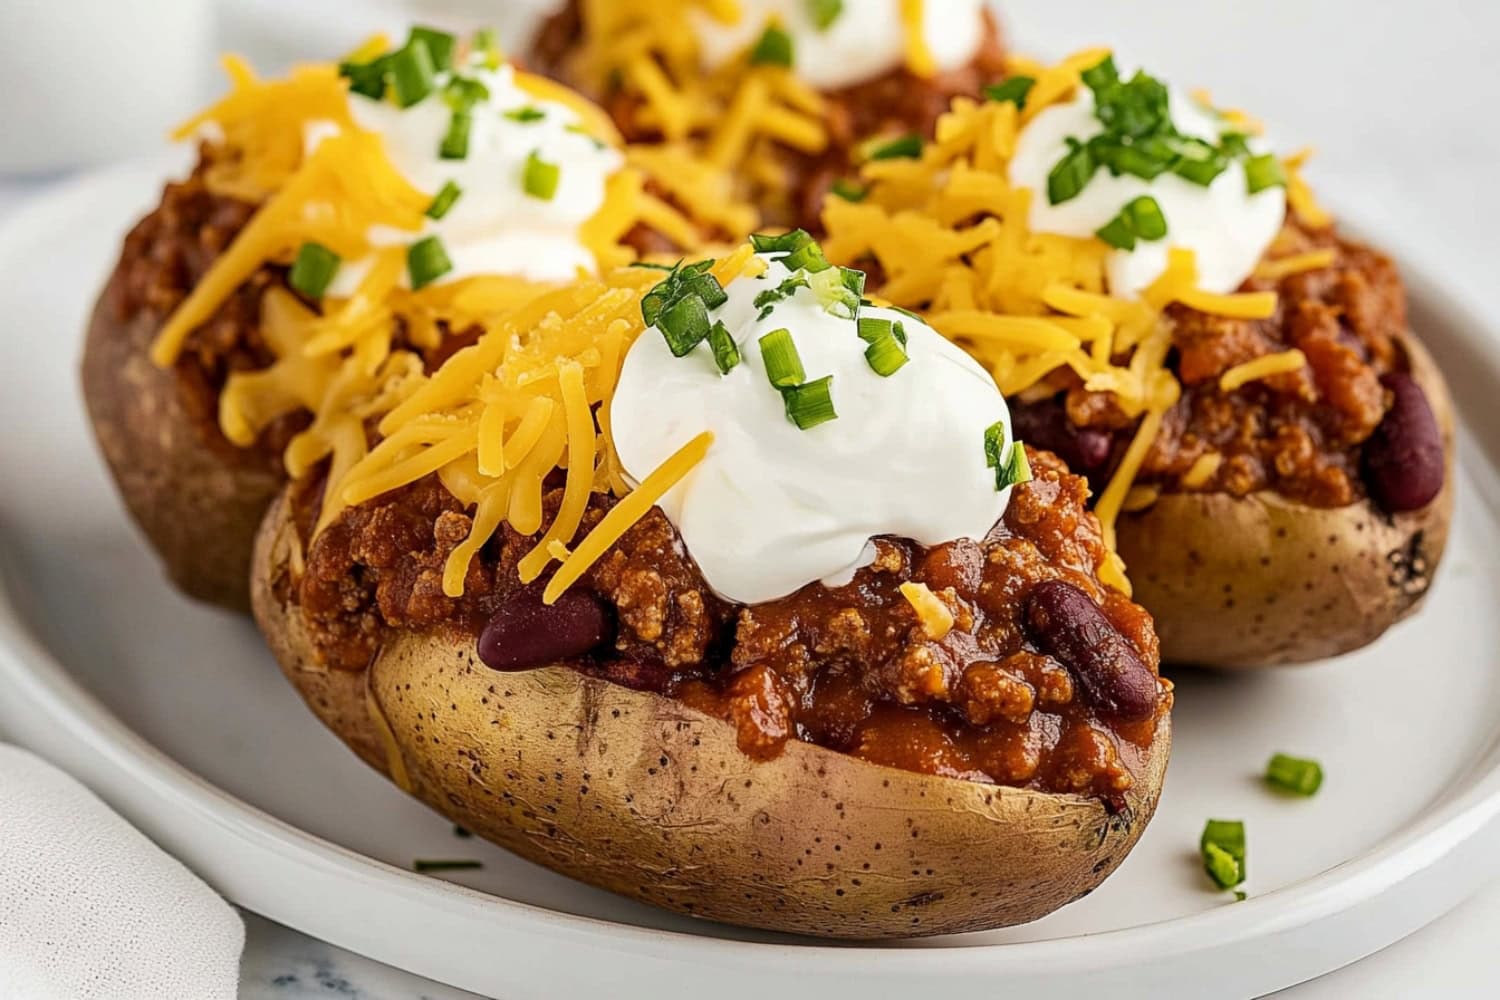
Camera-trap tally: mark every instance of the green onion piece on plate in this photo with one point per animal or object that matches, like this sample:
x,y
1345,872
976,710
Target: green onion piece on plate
x,y
487,45
908,147
443,200
1223,849
366,79
1146,218
811,403
539,178
849,190
726,354
783,363
313,270
1262,172
806,258
1071,174
440,46
823,13
994,443
773,49
1016,470
1013,90
526,116
455,145
426,262
1296,775
412,73
782,243
684,324
885,356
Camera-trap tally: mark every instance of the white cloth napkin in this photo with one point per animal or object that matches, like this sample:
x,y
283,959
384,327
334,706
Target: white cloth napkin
x,y
92,910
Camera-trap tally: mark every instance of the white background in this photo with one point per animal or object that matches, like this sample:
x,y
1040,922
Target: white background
x,y
1399,99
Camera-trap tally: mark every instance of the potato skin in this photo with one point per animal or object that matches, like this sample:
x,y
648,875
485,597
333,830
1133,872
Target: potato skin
x,y
643,796
1262,581
197,498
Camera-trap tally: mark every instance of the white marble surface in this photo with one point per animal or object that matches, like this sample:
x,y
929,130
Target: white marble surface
x,y
1398,102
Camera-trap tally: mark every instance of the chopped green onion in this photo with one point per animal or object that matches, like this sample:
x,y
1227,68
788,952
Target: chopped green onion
x,y
1223,849
440,46
1201,172
1144,159
412,72
783,364
853,279
681,282
444,200
1016,470
462,93
647,265
1264,171
1117,232
313,270
872,329
768,299
1235,144
849,190
808,258
1071,174
684,324
782,243
773,49
539,179
706,287
487,43
1294,774
1101,74
366,79
823,13
832,289
1146,218
527,115
908,147
1013,90
426,262
811,403
885,356
726,354
439,865
994,443
455,144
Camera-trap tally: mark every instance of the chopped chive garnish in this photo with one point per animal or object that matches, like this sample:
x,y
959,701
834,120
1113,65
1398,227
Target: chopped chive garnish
x,y
1140,219
1294,774
462,93
783,364
806,258
444,200
684,325
681,281
443,865
487,44
994,443
811,403
1201,172
706,287
1262,172
726,354
908,147
440,46
773,49
1101,74
823,13
427,261
783,243
854,280
412,73
832,289
1013,90
849,190
526,116
1117,233
313,270
455,144
871,329
647,265
1071,174
767,300
1223,849
1016,470
539,179
366,79
885,356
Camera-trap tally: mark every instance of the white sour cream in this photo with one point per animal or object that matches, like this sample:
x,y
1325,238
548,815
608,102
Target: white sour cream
x,y
866,40
772,507
495,227
1227,228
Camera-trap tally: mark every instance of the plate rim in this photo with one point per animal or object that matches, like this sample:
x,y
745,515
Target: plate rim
x,y
78,721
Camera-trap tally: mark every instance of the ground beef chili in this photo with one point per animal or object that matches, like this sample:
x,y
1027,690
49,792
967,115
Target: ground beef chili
x,y
849,668
1299,434
894,104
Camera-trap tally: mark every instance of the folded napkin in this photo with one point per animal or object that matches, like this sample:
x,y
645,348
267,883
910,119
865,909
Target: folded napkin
x,y
92,910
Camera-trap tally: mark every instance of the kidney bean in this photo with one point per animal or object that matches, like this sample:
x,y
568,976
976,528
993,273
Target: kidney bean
x,y
1045,425
1068,626
1403,459
526,633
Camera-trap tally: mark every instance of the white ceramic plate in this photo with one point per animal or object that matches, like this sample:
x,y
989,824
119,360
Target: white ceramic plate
x,y
177,715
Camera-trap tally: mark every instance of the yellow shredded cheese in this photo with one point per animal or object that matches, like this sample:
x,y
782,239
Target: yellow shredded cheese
x,y
1262,367
1283,267
1203,469
935,616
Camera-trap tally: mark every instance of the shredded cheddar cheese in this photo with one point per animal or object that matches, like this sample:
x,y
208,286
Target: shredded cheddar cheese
x,y
1284,267
950,234
1262,367
935,617
1203,469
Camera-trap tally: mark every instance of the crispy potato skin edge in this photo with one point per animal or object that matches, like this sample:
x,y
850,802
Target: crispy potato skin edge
x,y
640,795
1262,581
198,501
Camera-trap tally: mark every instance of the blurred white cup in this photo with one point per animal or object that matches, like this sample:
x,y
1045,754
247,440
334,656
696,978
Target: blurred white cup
x,y
90,81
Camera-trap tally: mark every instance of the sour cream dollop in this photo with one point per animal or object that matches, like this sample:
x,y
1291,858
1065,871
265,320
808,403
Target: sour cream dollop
x,y
772,507
867,39
1227,228
495,227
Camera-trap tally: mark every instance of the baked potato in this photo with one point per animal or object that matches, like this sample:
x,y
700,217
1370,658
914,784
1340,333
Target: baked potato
x,y
955,735
774,103
1270,446
199,410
